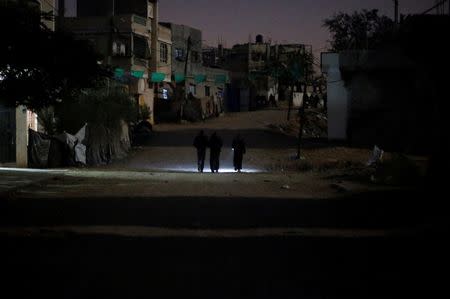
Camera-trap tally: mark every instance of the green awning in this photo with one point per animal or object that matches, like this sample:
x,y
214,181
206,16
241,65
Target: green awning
x,y
138,74
179,78
200,78
158,77
118,73
221,79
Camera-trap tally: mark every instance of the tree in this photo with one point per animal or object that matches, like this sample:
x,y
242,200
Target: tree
x,y
360,30
295,69
39,67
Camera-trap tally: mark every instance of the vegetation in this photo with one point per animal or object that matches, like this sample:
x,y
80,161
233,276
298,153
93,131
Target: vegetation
x,y
38,67
360,30
106,106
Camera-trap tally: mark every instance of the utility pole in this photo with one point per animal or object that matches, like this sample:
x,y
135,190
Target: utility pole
x,y
184,90
396,12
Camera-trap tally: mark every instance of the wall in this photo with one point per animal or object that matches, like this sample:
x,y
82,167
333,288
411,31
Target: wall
x,y
338,102
165,36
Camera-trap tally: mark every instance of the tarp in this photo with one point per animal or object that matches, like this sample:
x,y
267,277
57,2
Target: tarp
x,y
91,145
118,73
38,149
68,150
158,77
138,74
179,78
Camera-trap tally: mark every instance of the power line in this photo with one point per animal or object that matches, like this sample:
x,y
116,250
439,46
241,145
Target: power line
x,y
439,4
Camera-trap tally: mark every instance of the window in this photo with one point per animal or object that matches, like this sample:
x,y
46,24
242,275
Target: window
x,y
179,54
195,56
193,89
165,94
141,48
207,91
119,48
163,52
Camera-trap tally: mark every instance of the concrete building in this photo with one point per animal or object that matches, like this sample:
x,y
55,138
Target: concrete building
x,y
187,71
252,82
125,32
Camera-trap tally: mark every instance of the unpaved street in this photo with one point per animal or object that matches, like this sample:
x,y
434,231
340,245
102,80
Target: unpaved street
x,y
170,148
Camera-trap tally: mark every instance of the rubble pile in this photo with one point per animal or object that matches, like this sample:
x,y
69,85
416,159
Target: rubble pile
x,y
316,125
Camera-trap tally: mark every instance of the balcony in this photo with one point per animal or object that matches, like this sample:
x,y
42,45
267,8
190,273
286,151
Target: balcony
x,y
133,23
140,20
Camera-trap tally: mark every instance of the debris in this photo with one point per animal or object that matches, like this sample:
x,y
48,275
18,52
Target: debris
x,y
316,125
338,187
377,156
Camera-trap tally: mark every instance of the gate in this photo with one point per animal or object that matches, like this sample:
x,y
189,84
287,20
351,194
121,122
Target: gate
x,y
7,135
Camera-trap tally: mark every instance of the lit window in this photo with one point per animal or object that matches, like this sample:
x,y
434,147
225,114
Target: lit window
x,y
179,54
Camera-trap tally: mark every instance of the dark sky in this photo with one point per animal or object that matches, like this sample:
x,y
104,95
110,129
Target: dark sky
x,y
281,20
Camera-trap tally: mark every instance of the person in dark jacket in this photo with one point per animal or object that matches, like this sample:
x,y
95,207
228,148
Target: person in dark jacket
x,y
201,143
215,145
239,151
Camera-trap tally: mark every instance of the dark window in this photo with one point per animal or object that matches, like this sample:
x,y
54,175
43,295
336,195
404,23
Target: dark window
x,y
163,52
207,91
195,56
141,48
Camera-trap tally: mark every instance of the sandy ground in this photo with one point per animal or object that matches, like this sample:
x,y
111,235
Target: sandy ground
x,y
167,167
268,150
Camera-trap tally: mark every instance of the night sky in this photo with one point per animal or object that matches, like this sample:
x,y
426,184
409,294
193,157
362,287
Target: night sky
x,y
281,20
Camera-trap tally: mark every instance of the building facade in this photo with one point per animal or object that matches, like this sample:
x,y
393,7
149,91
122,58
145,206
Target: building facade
x,y
125,33
250,65
188,72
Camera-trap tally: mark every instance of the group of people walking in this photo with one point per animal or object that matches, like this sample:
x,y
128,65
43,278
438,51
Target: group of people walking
x,y
215,144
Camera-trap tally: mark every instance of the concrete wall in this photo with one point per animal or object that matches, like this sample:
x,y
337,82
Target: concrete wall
x,y
48,6
165,36
338,98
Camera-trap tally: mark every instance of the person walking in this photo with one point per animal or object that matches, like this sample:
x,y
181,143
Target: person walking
x,y
239,151
201,143
215,145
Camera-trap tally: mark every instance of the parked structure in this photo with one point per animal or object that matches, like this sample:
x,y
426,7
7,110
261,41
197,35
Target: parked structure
x,y
126,33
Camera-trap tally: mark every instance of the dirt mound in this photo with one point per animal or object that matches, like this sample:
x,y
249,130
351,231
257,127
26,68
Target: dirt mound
x,y
316,125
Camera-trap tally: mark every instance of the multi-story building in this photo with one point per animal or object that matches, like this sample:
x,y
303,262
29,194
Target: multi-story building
x,y
252,79
125,32
187,70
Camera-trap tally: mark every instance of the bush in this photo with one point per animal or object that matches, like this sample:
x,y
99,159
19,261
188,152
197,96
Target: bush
x,y
103,106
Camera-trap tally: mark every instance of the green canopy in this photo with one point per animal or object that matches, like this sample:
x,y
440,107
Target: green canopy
x,y
200,78
138,74
221,79
158,77
118,73
179,78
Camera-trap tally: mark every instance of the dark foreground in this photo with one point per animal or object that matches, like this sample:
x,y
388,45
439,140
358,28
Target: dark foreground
x,y
70,265
112,267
